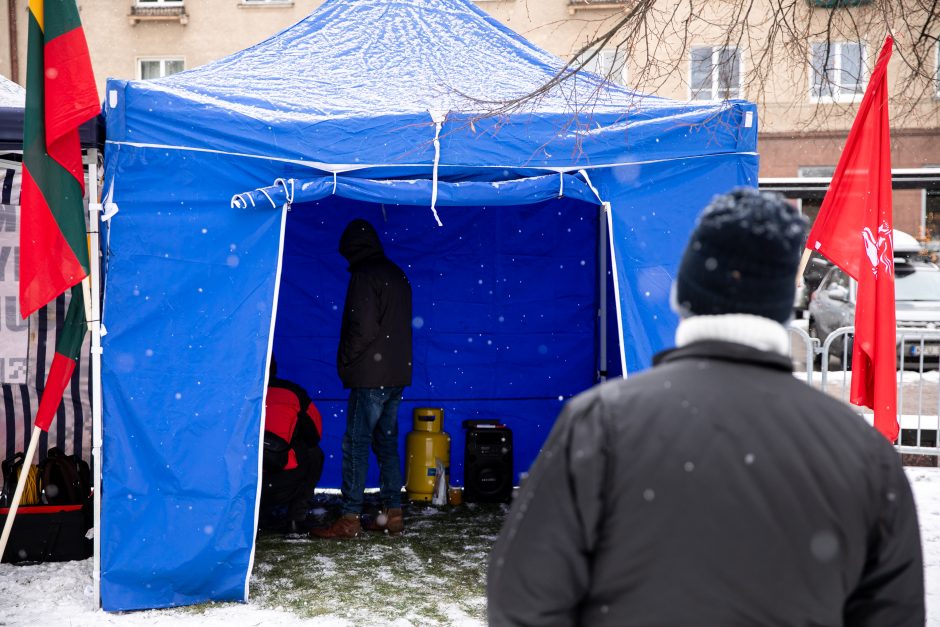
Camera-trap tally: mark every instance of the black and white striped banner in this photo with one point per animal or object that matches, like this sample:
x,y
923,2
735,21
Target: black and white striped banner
x,y
27,348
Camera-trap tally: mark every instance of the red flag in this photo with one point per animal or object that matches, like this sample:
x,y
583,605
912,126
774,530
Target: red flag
x,y
60,96
854,230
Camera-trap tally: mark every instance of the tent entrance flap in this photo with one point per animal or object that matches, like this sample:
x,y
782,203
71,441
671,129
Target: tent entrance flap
x,y
505,302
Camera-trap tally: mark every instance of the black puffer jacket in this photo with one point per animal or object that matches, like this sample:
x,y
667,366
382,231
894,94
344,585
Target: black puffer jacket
x,y
713,490
375,338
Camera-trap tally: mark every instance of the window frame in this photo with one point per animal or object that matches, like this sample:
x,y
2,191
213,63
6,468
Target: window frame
x,y
163,61
835,47
936,71
597,66
715,73
158,3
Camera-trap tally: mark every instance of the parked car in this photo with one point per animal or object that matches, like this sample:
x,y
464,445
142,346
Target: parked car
x,y
917,308
905,246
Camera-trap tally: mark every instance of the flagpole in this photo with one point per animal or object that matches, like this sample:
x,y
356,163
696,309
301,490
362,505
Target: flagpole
x,y
86,284
20,484
803,261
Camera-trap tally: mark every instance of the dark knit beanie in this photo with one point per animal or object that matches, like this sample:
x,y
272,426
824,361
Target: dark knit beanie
x,y
742,257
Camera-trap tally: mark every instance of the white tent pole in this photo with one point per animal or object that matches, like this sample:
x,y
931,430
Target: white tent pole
x,y
616,280
602,285
94,216
264,395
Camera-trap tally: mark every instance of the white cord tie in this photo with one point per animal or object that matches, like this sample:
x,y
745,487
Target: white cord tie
x,y
587,179
288,193
268,196
438,117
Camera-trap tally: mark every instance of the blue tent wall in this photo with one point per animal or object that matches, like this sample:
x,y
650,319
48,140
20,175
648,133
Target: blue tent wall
x,y
505,302
654,206
188,305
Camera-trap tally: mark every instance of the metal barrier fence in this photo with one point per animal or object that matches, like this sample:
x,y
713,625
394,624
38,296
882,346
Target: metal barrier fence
x,y
918,378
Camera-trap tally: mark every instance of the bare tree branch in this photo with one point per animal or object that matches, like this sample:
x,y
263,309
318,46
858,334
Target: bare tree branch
x,y
774,43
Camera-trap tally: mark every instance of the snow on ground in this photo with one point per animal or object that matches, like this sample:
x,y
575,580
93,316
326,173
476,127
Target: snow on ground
x,y
61,593
926,485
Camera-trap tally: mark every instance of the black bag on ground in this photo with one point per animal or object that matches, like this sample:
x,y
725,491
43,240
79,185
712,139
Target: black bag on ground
x,y
47,533
64,479
275,452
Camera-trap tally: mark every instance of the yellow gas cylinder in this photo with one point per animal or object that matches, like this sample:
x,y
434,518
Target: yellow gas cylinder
x,y
424,446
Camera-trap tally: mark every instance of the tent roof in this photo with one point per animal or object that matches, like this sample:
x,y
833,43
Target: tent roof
x,y
394,57
12,101
332,87
12,107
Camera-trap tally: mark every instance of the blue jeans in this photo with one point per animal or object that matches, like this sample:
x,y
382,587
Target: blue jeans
x,y
371,420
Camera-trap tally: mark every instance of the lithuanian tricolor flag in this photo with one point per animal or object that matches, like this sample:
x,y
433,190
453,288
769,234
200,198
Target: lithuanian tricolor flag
x,y
60,96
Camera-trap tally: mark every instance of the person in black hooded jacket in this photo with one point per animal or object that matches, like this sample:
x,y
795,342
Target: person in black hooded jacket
x,y
715,489
374,363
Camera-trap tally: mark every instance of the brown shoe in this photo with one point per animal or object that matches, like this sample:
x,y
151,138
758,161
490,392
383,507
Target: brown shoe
x,y
388,520
346,526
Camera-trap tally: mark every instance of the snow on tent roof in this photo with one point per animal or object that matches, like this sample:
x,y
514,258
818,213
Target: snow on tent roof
x,y
429,54
11,94
12,101
335,73
12,106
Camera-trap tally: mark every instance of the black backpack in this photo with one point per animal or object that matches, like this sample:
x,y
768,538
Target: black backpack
x,y
64,479
11,472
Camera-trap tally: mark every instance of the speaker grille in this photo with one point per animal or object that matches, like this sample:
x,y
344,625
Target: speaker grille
x,y
488,468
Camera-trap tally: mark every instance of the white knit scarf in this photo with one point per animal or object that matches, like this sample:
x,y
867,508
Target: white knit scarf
x,y
754,331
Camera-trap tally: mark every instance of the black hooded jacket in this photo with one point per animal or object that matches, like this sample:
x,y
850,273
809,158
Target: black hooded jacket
x,y
712,490
375,338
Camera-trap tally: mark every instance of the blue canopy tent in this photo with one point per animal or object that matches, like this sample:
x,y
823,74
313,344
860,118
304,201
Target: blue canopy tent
x,y
234,181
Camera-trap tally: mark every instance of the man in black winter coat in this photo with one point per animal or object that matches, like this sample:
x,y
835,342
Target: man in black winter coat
x,y
374,363
715,489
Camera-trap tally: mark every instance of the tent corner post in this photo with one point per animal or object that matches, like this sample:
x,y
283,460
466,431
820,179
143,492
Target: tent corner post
x,y
94,323
602,243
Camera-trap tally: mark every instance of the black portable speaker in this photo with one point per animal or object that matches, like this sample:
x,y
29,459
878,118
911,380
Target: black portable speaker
x,y
487,467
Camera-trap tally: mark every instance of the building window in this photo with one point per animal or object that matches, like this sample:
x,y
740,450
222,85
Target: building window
x,y
609,63
600,5
936,71
158,68
837,4
157,11
715,73
838,71
817,171
811,203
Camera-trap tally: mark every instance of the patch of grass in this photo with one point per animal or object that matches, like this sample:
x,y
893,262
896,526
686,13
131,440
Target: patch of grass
x,y
433,574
